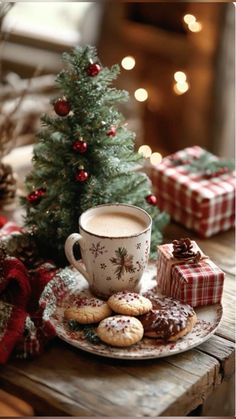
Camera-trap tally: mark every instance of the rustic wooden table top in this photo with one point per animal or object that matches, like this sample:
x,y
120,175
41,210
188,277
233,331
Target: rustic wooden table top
x,y
68,381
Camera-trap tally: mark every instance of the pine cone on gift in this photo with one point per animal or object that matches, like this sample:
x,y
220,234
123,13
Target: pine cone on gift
x,y
7,185
182,249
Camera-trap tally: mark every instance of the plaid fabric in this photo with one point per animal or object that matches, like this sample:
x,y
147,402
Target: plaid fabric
x,y
23,331
205,205
205,227
195,284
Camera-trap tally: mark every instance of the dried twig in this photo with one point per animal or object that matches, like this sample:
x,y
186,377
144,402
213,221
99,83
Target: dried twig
x,y
41,84
9,127
12,120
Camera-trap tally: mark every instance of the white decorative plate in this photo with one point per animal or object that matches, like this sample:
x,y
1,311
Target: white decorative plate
x,y
68,284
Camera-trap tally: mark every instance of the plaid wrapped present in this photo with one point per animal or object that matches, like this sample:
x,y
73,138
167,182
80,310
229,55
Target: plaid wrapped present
x,y
201,201
197,284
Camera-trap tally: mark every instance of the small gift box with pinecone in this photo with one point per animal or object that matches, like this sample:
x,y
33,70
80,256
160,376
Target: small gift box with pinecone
x,y
185,273
197,189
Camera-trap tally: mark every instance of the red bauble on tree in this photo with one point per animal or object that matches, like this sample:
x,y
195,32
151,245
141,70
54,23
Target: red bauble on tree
x,y
93,69
151,199
62,106
111,132
35,196
81,175
80,146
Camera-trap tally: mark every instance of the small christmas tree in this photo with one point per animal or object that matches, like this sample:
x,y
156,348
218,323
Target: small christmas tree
x,y
85,156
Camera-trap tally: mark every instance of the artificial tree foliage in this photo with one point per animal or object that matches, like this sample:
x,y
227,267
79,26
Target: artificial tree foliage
x,y
56,194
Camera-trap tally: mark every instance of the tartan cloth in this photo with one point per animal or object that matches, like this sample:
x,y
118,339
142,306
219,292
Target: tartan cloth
x,y
204,205
197,284
205,227
23,333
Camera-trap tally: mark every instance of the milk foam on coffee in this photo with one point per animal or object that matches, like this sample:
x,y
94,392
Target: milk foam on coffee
x,y
114,224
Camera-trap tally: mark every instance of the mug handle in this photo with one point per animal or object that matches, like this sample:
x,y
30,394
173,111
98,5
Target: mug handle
x,y
70,241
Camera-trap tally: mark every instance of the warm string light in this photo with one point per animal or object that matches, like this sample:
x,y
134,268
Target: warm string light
x,y
128,63
195,27
141,94
155,158
180,77
192,23
189,19
181,86
145,150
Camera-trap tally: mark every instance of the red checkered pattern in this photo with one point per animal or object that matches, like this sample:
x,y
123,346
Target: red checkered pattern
x,y
204,205
195,284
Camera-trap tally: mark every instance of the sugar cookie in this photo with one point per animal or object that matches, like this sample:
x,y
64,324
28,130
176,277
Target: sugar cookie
x,y
88,310
120,331
129,303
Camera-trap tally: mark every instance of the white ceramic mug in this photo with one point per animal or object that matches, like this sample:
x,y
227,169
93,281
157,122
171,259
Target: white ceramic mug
x,y
111,264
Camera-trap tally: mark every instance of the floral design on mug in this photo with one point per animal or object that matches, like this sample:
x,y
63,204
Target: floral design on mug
x,y
138,246
103,266
147,250
97,249
140,264
108,278
123,261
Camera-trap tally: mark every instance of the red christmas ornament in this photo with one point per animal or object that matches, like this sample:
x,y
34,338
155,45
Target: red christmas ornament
x,y
81,175
80,146
62,106
93,69
111,132
35,196
151,199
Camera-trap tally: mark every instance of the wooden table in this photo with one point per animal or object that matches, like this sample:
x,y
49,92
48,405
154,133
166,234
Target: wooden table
x,y
68,381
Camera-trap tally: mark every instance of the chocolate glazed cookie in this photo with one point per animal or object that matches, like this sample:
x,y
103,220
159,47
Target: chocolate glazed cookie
x,y
169,319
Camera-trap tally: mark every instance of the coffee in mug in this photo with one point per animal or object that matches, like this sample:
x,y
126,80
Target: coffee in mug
x,y
114,241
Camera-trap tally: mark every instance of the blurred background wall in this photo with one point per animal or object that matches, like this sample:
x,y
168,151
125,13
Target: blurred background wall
x,y
177,62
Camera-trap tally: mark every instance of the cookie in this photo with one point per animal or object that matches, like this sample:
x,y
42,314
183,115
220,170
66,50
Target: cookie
x,y
169,320
88,310
129,303
120,331
168,302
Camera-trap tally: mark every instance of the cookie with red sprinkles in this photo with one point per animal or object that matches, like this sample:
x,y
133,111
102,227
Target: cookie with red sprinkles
x,y
88,310
129,303
120,331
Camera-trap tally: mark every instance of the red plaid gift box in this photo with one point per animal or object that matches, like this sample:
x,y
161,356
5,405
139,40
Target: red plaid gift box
x,y
206,205
197,284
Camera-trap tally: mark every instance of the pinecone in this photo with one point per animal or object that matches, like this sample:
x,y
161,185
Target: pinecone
x,y
7,185
23,247
183,250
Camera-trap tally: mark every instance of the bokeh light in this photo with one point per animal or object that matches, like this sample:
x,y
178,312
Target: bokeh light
x,y
181,88
128,63
195,26
189,18
145,150
180,76
141,95
156,158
